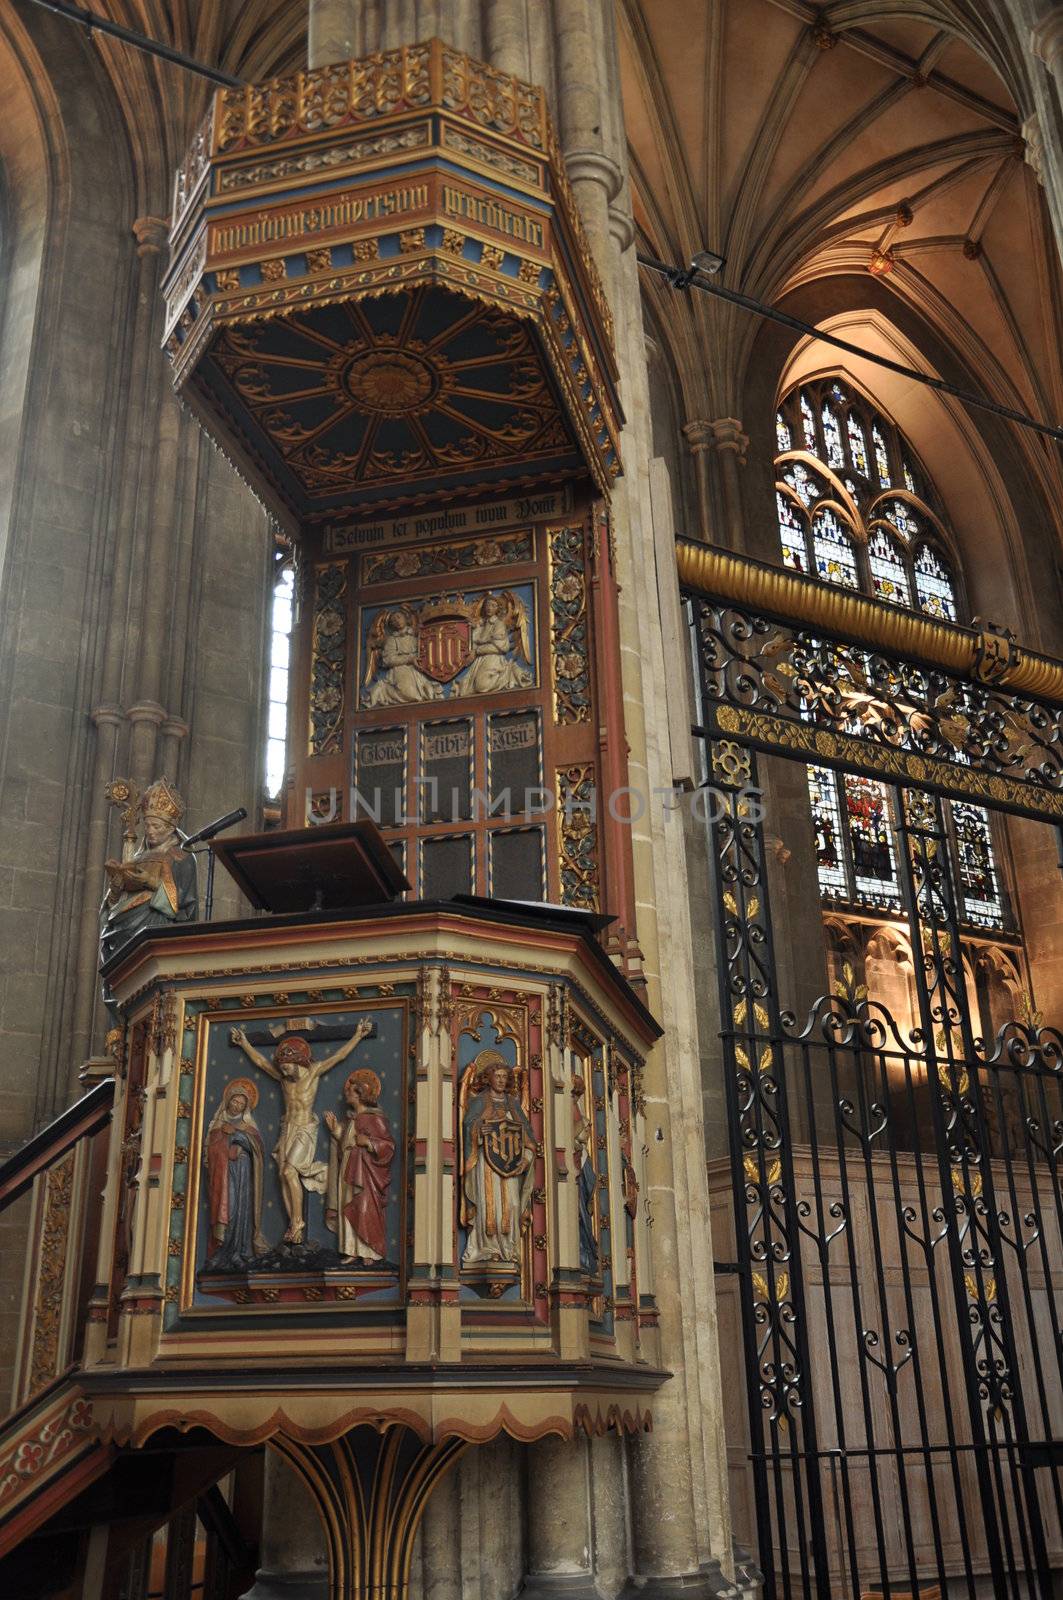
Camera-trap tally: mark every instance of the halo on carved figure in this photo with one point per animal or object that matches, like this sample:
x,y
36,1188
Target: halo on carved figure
x,y
292,1048
368,1084
244,1086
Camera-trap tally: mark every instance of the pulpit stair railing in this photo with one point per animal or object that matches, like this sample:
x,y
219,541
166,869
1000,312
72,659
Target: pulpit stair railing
x,y
897,1188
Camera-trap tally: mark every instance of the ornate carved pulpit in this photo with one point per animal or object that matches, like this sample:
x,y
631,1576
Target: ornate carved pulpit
x,y
376,1183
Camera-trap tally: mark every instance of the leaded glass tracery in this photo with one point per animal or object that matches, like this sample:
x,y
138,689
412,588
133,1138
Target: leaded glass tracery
x,y
833,550
827,825
889,576
979,880
882,460
869,536
853,821
933,584
867,806
857,445
808,427
832,438
793,534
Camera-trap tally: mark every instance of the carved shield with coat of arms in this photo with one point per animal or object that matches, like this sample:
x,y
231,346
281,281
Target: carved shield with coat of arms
x,y
504,1148
445,647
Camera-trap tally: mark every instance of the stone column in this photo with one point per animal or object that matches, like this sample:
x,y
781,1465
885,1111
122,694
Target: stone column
x,y
680,1514
292,1553
1047,41
559,1527
150,234
699,438
333,32
731,446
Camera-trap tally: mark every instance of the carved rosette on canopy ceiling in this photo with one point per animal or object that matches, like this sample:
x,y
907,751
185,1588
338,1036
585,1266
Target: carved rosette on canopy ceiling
x,y
381,293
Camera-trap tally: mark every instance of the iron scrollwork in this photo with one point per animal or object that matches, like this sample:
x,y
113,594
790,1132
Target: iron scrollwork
x,y
784,688
766,1204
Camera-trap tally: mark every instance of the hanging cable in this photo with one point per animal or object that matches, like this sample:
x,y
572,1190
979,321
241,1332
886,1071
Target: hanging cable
x,y
139,41
695,276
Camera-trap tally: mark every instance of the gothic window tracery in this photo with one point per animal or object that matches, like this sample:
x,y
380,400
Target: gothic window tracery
x,y
863,516
863,531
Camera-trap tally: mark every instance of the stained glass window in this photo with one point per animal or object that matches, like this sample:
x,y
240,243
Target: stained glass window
x,y
884,544
856,862
808,424
833,551
867,806
827,824
857,446
832,434
792,534
882,460
802,483
888,575
902,516
982,902
277,726
934,588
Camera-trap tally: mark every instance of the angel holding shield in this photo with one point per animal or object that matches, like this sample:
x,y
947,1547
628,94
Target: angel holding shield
x,y
392,676
491,670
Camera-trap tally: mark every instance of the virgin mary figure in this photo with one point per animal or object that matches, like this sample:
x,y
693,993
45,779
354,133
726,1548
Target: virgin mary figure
x,y
234,1162
498,1172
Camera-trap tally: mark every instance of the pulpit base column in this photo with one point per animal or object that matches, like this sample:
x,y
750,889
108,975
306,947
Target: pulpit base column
x,y
370,1487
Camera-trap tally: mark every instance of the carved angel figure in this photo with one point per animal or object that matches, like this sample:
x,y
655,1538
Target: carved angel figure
x,y
491,670
392,676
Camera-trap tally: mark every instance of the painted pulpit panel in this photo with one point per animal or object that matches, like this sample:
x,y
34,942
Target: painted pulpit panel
x,y
295,1182
501,1242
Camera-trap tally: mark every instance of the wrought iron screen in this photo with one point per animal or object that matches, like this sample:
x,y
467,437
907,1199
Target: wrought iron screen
x,y
897,1199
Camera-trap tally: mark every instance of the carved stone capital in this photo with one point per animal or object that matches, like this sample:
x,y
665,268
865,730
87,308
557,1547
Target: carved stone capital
x,y
1046,40
175,728
595,167
698,435
724,435
1030,133
106,716
146,711
727,436
151,234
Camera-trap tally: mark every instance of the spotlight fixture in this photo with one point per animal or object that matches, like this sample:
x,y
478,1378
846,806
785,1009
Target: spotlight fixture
x,y
709,262
705,264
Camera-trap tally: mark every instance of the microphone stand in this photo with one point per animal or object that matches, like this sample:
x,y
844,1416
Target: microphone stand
x,y
202,838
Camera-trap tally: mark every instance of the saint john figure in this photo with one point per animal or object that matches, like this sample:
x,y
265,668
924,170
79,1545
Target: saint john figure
x,y
234,1181
361,1151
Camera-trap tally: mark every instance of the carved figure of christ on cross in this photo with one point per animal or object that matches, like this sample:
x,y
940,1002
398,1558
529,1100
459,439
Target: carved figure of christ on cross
x,y
295,1154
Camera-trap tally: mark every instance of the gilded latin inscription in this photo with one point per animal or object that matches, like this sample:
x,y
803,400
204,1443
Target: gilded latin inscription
x,y
345,211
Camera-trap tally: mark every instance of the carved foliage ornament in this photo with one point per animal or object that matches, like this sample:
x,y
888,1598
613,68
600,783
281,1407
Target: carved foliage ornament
x,y
569,629
328,659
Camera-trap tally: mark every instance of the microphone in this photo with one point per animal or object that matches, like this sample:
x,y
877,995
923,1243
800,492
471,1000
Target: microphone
x,y
229,819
